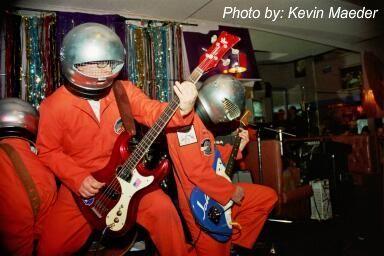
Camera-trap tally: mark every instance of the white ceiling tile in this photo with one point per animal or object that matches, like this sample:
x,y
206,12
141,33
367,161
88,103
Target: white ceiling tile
x,y
161,9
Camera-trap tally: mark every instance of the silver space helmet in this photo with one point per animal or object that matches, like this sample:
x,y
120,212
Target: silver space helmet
x,y
91,55
220,100
18,119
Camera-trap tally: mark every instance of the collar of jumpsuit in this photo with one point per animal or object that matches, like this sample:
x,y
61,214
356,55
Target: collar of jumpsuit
x,y
93,108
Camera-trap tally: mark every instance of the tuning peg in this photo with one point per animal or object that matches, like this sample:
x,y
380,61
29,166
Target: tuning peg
x,y
213,39
226,62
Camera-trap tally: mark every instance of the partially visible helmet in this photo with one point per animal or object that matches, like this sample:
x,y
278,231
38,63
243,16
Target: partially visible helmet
x,y
18,119
96,47
221,99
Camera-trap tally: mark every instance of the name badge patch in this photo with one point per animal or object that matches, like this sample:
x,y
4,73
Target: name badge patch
x,y
186,136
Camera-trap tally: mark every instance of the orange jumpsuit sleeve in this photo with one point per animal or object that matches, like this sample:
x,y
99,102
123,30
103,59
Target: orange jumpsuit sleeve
x,y
201,174
147,111
50,148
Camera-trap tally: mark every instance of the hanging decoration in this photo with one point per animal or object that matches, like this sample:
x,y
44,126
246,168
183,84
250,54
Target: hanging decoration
x,y
49,57
36,85
136,55
13,70
154,57
159,46
30,57
177,37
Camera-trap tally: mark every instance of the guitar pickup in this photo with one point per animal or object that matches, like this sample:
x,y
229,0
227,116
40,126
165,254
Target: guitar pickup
x,y
214,214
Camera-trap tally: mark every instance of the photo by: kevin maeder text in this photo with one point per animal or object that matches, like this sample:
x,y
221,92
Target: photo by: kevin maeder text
x,y
332,13
295,12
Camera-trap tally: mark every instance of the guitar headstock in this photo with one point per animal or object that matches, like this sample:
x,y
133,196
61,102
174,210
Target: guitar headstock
x,y
244,119
217,50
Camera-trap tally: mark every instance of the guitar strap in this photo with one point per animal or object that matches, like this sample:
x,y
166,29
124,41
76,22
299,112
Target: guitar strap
x,y
24,177
124,107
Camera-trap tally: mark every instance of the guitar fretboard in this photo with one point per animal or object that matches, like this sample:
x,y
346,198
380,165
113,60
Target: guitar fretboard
x,y
195,76
148,139
212,57
231,161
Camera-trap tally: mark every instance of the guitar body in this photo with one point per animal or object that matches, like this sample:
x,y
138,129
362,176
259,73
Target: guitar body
x,y
116,204
212,216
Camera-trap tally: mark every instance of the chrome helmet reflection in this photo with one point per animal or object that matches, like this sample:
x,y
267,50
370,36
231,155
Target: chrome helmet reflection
x,y
92,55
18,119
221,99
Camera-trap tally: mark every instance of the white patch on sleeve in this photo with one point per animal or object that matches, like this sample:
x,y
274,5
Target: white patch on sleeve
x,y
187,136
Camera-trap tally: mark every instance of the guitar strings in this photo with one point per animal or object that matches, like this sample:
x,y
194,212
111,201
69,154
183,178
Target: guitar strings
x,y
138,153
134,156
114,184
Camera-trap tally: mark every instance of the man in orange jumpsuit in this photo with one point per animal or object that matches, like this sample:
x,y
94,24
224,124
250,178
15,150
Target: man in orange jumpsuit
x,y
20,225
193,153
76,137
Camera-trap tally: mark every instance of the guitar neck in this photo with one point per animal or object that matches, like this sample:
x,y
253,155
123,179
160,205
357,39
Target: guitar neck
x,y
195,75
236,145
231,161
156,129
210,60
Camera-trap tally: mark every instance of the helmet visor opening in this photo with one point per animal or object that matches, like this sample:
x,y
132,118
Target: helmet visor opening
x,y
232,111
99,69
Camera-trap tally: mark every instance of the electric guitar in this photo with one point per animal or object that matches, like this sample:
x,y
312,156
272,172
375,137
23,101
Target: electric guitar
x,y
212,216
114,208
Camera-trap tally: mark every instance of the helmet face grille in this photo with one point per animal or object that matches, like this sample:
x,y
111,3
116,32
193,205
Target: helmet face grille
x,y
98,69
232,111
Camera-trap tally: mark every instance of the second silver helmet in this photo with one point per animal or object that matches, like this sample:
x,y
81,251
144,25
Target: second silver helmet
x,y
221,99
97,47
18,119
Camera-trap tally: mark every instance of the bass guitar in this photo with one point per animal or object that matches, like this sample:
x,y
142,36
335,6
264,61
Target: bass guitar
x,y
114,208
213,217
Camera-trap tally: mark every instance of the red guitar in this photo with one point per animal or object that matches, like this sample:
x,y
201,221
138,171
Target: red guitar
x,y
127,180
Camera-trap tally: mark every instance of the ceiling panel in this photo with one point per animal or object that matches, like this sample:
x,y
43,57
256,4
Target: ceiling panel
x,y
271,47
160,9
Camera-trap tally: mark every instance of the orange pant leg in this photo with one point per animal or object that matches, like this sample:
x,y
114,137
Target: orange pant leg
x,y
65,230
159,217
252,213
204,245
